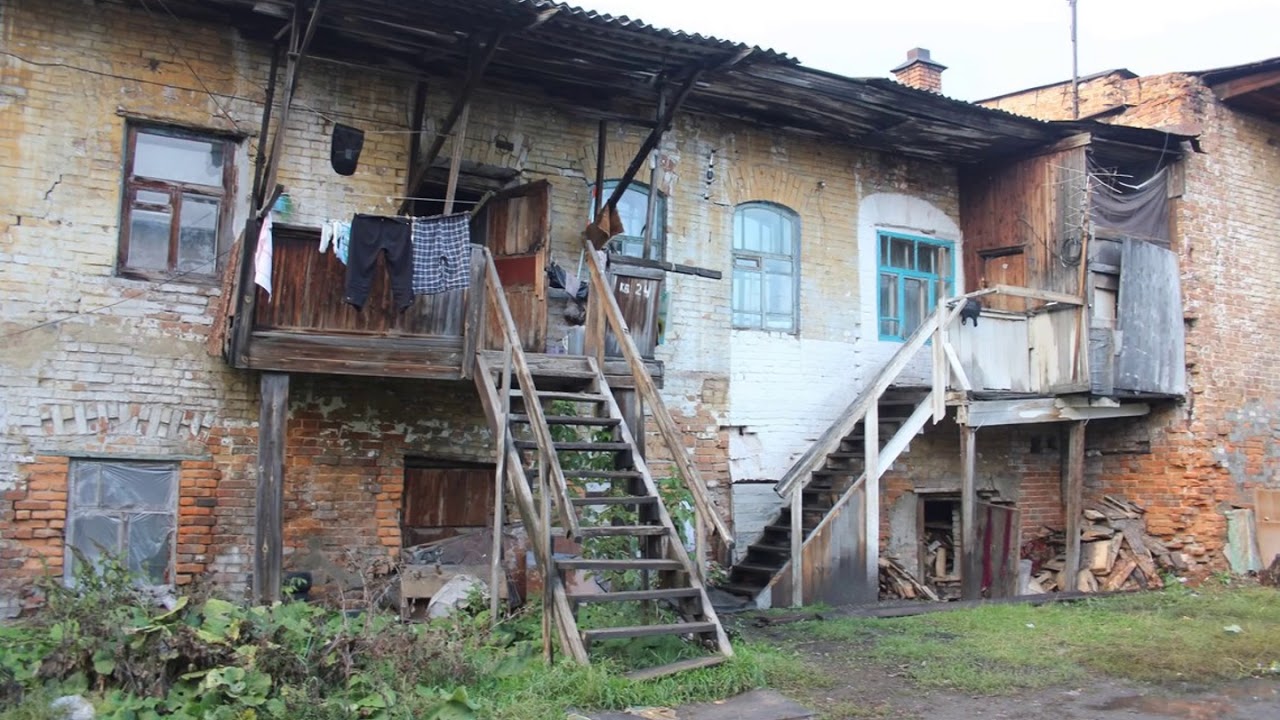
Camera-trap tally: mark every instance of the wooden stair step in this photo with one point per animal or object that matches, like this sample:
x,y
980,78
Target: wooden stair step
x,y
622,530
757,568
629,564
633,631
786,529
741,589
675,667
836,472
559,395
769,548
635,595
577,446
614,500
569,420
841,455
532,473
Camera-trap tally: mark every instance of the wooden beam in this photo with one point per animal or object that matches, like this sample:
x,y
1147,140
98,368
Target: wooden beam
x,y
1247,84
602,139
797,545
268,544
419,126
268,102
1045,295
298,46
651,209
455,159
654,137
989,413
970,567
871,503
1073,498
479,63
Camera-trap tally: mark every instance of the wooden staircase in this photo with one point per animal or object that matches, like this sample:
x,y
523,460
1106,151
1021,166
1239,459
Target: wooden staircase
x,y
575,473
843,467
824,545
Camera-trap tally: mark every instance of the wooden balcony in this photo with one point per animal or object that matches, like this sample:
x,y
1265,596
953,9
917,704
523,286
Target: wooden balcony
x,y
306,326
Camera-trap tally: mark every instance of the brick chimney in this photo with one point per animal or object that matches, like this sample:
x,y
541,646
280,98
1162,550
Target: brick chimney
x,y
920,71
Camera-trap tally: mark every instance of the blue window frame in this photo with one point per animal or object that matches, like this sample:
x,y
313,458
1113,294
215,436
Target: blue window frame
x,y
766,270
912,272
633,207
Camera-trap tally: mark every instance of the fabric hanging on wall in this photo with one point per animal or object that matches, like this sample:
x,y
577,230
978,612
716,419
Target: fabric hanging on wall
x,y
606,225
336,234
441,253
1140,212
262,257
344,153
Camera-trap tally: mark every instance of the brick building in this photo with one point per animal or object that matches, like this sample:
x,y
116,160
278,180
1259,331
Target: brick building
x,y
1194,462
153,395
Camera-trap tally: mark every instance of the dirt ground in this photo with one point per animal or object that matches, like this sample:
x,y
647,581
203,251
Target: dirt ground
x,y
869,690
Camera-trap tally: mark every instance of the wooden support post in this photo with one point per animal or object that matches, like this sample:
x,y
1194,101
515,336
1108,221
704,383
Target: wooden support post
x,y
871,503
496,571
941,370
651,210
455,161
797,547
268,544
419,126
1073,498
548,584
602,139
970,567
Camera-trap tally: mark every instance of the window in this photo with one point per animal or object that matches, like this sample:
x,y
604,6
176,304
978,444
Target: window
x,y
766,245
175,202
633,209
126,510
913,271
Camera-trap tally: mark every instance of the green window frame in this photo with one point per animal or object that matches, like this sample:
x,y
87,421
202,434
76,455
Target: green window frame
x,y
766,268
912,271
633,207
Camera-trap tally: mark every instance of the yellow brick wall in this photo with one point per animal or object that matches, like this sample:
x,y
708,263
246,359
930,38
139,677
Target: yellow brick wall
x,y
97,363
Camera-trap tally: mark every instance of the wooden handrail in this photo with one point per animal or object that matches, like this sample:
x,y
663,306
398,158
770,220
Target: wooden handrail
x,y
533,407
602,295
797,478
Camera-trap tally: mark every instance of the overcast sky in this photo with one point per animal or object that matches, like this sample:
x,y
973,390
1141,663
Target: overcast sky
x,y
989,46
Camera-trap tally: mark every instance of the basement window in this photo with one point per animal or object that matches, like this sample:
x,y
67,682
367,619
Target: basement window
x,y
176,202
123,510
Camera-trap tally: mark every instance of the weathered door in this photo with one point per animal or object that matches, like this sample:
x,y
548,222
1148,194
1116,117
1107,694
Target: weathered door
x,y
1268,524
1152,356
638,291
1005,267
516,226
999,540
440,502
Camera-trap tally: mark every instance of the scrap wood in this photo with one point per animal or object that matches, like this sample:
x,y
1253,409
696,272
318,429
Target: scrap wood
x,y
767,620
904,583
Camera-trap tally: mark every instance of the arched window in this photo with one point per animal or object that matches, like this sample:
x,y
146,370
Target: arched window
x,y
766,269
633,207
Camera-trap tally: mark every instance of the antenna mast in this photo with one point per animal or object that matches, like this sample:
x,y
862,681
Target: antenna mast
x,y
1075,65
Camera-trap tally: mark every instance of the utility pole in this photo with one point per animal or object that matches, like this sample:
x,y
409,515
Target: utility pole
x,y
1075,65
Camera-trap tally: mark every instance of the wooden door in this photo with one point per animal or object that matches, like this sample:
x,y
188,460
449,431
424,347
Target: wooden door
x,y
516,226
1152,355
1005,267
441,502
999,541
1267,517
638,290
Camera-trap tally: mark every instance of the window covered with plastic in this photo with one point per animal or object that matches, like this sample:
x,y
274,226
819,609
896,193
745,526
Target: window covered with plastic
x,y
125,510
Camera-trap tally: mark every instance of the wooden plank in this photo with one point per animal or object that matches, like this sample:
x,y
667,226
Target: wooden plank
x,y
1073,496
797,555
633,564
957,369
427,358
675,667
634,595
653,399
473,326
970,573
1247,84
1152,356
618,633
455,159
871,504
1033,294
990,413
503,429
269,513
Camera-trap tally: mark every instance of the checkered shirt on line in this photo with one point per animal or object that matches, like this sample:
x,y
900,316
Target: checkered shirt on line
x,y
441,261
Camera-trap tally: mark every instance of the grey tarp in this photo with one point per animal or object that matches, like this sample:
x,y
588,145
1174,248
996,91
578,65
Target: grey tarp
x,y
1140,212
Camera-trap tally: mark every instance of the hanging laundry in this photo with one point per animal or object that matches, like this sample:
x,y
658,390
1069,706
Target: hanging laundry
x,y
373,234
262,257
344,151
335,234
441,253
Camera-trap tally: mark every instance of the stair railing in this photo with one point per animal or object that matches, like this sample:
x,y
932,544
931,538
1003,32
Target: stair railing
x,y
604,312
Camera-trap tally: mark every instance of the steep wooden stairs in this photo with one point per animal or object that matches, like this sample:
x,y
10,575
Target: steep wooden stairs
x,y
824,545
575,471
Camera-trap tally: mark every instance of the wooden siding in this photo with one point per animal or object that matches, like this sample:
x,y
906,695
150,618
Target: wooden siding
x,y
308,289
1037,205
1054,339
994,354
834,562
1152,355
638,291
442,502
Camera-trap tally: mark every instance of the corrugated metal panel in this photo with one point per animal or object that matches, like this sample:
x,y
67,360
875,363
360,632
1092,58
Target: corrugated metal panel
x,y
1152,357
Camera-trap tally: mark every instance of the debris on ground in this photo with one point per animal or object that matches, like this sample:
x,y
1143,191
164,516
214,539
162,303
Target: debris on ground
x,y
1116,553
897,582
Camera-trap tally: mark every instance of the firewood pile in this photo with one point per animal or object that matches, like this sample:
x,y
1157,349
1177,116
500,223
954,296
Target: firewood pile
x,y
1116,553
896,582
942,567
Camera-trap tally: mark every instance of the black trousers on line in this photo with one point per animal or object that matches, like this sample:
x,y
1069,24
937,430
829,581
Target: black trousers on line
x,y
370,235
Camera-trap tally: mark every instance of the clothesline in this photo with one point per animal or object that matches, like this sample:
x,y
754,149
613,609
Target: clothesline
x,y
410,197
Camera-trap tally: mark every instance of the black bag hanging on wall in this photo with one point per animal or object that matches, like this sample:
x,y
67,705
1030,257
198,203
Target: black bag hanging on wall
x,y
345,153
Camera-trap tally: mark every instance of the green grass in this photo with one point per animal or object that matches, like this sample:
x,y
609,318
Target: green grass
x,y
1171,636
